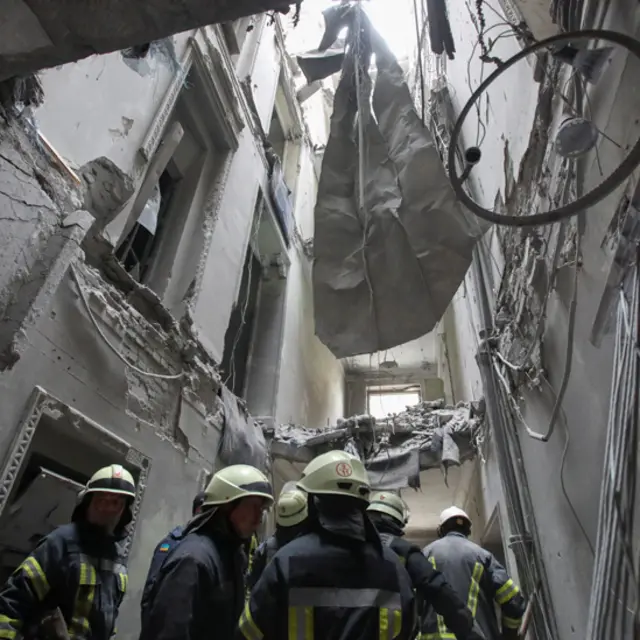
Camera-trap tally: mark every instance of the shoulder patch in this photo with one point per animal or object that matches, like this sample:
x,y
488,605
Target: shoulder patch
x,y
164,547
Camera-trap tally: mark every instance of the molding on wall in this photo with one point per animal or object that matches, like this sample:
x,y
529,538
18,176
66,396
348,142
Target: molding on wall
x,y
222,94
43,403
152,139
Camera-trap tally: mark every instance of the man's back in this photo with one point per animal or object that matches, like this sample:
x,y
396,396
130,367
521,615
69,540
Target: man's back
x,y
199,592
479,579
160,554
331,587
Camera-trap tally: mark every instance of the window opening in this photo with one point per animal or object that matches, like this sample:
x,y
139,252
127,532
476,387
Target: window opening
x,y
383,401
237,340
137,250
59,460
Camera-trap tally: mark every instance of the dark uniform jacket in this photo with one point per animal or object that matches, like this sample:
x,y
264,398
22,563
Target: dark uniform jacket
x,y
199,590
334,583
160,554
431,586
76,568
478,578
265,552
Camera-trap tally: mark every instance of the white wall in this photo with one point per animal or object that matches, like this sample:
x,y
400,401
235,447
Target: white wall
x,y
566,555
101,107
311,389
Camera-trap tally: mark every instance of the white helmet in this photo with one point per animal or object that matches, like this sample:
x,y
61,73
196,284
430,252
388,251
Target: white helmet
x,y
236,482
336,473
291,509
452,513
390,504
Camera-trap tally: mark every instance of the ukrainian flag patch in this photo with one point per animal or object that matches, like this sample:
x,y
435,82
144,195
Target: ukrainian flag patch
x,y
164,547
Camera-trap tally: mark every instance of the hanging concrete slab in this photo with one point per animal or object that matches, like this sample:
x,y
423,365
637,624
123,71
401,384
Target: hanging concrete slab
x,y
37,34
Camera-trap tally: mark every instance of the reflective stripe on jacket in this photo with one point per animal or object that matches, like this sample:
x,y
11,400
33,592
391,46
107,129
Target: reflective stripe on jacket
x,y
480,580
431,587
75,568
261,558
324,586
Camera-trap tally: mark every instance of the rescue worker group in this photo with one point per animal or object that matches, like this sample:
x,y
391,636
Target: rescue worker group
x,y
336,568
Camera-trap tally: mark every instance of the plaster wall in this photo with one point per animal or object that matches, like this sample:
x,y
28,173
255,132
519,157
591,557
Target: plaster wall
x,y
311,388
99,106
175,424
574,454
80,370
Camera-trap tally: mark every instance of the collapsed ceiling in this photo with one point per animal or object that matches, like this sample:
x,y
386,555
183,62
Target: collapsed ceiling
x,y
392,243
395,449
37,34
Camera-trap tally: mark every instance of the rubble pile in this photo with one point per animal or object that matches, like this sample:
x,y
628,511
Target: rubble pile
x,y
395,449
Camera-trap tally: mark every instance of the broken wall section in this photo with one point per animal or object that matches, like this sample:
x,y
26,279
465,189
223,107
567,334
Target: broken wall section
x,y
531,297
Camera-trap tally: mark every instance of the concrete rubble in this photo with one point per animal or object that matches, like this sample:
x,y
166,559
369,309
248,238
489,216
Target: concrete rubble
x,y
427,435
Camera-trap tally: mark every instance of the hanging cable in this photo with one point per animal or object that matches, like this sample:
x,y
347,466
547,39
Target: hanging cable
x,y
615,603
148,374
420,64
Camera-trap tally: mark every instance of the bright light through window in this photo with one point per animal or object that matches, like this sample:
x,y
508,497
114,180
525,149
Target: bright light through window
x,y
382,404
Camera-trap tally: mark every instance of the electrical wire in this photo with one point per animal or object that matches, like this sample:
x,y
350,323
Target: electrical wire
x,y
148,374
420,65
615,568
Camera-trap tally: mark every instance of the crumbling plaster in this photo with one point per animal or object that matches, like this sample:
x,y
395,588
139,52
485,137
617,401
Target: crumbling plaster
x,y
567,558
175,422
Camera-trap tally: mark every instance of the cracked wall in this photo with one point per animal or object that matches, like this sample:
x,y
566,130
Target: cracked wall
x,y
97,115
515,179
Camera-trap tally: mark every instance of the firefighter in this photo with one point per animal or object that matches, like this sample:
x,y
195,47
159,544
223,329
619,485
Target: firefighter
x,y
337,580
161,553
291,518
476,576
76,574
388,512
199,591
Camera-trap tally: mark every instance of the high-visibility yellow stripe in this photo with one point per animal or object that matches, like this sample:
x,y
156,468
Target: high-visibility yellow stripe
x,y
248,628
123,582
437,636
9,627
506,592
443,631
80,626
511,623
397,622
301,623
36,575
474,588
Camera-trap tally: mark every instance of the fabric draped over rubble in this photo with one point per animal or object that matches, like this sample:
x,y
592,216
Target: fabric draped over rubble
x,y
395,449
384,273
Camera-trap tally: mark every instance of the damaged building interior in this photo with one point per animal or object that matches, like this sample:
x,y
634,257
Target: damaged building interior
x,y
252,232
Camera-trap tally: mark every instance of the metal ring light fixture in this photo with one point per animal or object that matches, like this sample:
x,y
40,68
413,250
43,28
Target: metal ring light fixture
x,y
473,154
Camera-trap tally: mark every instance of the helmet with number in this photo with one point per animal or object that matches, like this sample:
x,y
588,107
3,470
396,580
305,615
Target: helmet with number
x,y
112,479
291,509
336,473
236,482
454,514
390,504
